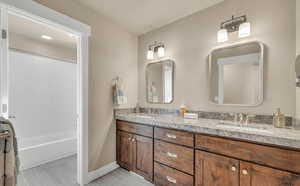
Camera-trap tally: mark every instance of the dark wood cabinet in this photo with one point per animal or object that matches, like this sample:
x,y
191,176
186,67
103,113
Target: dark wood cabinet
x,y
143,156
174,136
125,150
166,176
173,157
256,175
135,153
176,156
215,170
279,158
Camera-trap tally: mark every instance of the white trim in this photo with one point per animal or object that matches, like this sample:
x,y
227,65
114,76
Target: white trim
x,y
30,7
102,171
4,78
43,14
82,128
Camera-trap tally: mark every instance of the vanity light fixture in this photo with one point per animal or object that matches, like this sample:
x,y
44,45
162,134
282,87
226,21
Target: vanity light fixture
x,y
239,24
150,54
161,51
156,48
222,35
245,30
46,37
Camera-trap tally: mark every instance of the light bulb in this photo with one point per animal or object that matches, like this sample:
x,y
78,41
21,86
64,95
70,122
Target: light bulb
x,y
222,35
150,54
245,30
161,51
46,37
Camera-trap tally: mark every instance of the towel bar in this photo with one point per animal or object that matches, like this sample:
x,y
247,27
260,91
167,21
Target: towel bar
x,y
4,135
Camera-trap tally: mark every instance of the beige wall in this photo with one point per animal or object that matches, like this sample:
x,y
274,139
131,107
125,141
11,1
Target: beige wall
x,y
189,41
113,52
298,26
298,53
298,103
36,47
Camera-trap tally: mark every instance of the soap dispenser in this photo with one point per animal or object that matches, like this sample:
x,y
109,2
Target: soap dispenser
x,y
183,110
279,119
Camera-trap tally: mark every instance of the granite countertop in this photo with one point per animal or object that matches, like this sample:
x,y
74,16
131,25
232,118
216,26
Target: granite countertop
x,y
261,133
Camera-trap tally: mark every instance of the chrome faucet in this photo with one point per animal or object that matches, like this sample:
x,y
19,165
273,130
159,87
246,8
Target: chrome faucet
x,y
235,117
242,119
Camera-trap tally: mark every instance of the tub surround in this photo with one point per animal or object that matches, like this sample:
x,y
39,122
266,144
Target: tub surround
x,y
288,137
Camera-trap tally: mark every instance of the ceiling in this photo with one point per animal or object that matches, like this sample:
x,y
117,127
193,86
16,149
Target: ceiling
x,y
142,16
32,30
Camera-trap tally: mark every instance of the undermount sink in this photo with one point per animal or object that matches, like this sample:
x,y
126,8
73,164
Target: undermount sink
x,y
246,128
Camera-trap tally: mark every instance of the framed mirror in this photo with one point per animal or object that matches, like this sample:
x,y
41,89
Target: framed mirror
x,y
160,82
236,74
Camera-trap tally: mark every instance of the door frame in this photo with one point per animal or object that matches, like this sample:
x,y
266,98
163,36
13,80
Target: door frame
x,y
43,14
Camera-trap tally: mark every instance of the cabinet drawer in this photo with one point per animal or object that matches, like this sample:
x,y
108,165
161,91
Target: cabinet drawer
x,y
179,157
164,176
135,128
174,136
264,155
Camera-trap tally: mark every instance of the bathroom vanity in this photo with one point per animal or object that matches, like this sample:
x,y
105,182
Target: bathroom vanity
x,y
168,150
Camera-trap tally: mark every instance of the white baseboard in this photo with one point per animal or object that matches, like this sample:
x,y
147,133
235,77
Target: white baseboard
x,y
102,171
44,153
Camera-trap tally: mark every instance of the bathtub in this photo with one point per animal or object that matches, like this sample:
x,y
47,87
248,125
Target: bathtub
x,y
39,150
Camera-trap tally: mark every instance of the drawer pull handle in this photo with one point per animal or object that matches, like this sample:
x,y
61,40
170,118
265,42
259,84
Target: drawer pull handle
x,y
233,168
172,136
245,172
171,180
172,155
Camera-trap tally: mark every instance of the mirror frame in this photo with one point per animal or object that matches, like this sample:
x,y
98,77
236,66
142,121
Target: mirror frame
x,y
261,73
173,72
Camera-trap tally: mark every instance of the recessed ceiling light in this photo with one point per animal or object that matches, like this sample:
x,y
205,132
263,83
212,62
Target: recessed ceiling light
x,y
46,37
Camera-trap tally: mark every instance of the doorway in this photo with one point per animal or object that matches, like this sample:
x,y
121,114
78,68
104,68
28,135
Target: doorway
x,y
39,66
42,91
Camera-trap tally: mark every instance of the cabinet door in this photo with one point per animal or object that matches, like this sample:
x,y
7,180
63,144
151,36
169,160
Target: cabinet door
x,y
124,150
143,156
256,175
215,170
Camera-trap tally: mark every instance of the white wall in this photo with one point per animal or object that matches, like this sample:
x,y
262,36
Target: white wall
x,y
43,99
